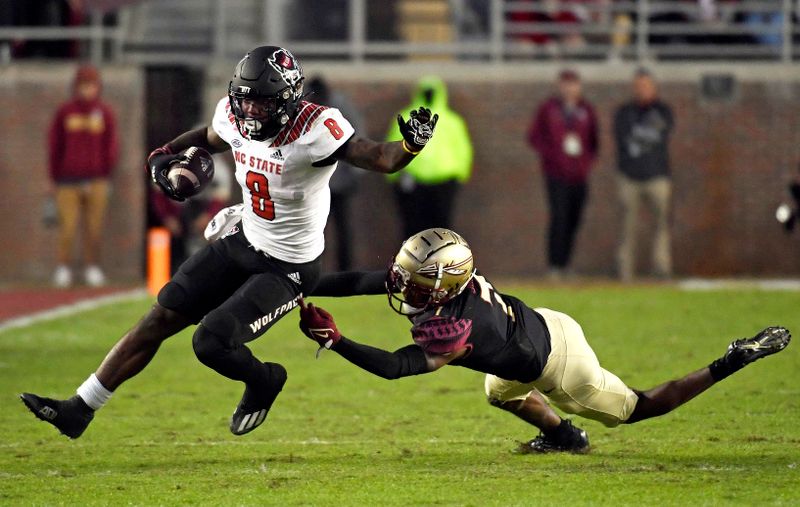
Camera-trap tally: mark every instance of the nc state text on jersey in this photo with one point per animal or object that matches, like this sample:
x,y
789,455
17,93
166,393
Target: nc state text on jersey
x,y
257,163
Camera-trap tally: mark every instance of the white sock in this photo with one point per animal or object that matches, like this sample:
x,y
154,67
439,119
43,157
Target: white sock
x,y
93,393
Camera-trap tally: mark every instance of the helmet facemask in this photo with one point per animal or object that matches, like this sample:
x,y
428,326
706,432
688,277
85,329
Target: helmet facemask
x,y
265,91
261,117
432,267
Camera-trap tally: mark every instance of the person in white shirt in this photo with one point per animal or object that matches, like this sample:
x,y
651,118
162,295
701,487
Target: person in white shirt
x,y
237,287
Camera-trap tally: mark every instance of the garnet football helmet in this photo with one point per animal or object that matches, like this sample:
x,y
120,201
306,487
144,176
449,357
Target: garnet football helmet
x,y
431,268
265,90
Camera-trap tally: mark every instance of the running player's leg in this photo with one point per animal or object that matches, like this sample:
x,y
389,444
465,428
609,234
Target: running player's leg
x,y
219,341
201,283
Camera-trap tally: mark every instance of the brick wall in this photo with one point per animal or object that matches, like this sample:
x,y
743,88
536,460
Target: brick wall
x,y
29,96
731,163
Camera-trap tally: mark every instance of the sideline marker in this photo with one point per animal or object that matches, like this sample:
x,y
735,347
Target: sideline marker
x,y
158,263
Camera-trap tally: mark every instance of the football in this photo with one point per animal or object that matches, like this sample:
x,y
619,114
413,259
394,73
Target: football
x,y
192,171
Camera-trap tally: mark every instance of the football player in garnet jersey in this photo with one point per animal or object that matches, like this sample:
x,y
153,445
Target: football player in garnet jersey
x,y
236,288
531,356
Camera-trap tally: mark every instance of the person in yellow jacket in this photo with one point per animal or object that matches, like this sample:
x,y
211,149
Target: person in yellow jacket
x,y
426,189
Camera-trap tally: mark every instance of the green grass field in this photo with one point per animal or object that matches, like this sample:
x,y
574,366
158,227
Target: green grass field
x,y
338,436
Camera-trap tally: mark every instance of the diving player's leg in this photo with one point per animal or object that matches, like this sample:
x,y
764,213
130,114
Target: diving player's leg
x,y
521,400
219,341
195,288
574,381
525,402
670,395
581,386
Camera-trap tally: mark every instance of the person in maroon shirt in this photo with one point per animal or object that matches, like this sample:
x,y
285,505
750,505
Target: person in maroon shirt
x,y
83,149
564,132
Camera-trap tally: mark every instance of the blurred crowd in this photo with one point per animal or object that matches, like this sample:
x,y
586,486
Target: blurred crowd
x,y
547,28
713,20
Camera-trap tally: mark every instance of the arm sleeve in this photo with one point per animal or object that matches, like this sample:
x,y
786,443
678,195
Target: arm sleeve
x,y
351,283
409,360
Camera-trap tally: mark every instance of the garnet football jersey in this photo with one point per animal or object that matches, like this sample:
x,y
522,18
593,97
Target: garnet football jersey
x,y
286,199
504,336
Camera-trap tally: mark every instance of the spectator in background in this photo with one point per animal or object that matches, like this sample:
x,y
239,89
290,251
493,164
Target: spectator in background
x,y
344,182
642,129
83,149
564,132
426,189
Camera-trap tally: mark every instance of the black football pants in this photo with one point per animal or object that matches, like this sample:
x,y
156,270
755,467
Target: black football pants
x,y
239,293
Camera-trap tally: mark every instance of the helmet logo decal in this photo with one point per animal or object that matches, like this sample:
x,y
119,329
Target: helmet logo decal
x,y
431,270
286,65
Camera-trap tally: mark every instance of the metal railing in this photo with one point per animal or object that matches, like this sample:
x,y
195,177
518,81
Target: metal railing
x,y
184,31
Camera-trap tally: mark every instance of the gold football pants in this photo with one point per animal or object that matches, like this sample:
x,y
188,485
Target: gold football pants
x,y
572,379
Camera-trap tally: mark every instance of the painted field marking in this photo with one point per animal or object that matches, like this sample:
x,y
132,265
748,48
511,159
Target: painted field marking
x,y
71,309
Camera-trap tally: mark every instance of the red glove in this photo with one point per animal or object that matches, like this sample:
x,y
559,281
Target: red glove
x,y
318,325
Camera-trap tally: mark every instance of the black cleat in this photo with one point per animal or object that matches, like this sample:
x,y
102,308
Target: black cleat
x,y
71,417
256,402
575,441
769,341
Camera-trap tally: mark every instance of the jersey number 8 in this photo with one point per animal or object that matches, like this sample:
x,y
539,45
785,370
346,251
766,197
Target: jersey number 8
x,y
259,190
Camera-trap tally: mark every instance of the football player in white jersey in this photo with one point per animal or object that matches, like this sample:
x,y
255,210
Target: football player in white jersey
x,y
237,287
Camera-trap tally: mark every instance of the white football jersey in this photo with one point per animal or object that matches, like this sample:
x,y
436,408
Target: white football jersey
x,y
286,199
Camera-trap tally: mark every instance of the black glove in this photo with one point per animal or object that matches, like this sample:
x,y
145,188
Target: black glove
x,y
159,162
418,130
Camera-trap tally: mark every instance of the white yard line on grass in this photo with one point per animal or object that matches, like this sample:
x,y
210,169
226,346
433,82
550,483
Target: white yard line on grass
x,y
71,309
700,284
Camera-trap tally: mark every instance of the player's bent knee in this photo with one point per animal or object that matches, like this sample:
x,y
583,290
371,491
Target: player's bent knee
x,y
171,295
206,344
214,336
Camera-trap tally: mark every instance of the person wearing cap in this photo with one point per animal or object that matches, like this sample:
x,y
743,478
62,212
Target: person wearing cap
x,y
642,128
83,150
564,133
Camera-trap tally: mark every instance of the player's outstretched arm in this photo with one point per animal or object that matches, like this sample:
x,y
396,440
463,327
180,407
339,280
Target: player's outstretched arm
x,y
351,283
318,324
392,156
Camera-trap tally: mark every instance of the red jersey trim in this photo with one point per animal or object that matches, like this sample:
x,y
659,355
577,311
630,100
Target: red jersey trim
x,y
302,123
